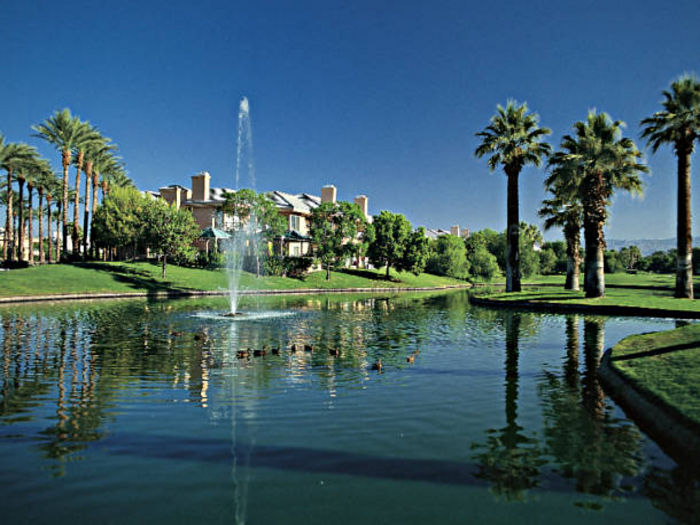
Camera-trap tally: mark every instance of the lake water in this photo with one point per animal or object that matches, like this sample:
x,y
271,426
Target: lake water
x,y
139,411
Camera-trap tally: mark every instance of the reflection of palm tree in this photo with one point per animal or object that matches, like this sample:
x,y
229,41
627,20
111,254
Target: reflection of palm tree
x,y
590,446
510,460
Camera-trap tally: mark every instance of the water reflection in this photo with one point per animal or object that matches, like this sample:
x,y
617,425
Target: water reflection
x,y
510,459
130,376
590,446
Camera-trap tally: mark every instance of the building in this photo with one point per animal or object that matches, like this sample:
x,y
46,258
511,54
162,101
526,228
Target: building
x,y
204,201
433,234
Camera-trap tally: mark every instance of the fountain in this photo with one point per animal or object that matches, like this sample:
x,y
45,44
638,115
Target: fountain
x,y
244,235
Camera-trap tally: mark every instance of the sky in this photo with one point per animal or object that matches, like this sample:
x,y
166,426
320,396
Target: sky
x,y
377,97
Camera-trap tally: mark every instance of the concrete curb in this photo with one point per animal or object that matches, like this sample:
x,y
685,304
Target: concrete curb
x,y
587,309
201,293
678,435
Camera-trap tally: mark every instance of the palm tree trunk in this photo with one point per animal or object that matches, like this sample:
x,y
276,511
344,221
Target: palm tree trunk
x,y
66,155
86,215
95,180
8,222
40,211
684,239
30,255
573,259
513,235
593,344
76,207
58,231
20,217
572,351
594,282
48,224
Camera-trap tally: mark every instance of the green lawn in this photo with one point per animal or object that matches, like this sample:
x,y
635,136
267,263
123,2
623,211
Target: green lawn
x,y
638,280
143,276
667,364
632,297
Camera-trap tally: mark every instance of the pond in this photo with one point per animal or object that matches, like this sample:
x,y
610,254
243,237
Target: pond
x,y
140,411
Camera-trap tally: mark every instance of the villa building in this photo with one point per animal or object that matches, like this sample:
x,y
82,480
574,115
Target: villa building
x,y
454,230
204,201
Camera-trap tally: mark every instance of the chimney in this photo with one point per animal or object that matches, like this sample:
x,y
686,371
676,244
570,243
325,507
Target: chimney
x,y
200,186
328,193
454,230
361,201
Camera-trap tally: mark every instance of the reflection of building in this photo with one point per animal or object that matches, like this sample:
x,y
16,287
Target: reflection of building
x,y
204,201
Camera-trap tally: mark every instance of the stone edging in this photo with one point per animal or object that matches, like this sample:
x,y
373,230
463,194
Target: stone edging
x,y
677,434
201,293
587,308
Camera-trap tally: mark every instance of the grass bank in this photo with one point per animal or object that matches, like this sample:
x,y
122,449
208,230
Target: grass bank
x,y
645,280
120,277
666,365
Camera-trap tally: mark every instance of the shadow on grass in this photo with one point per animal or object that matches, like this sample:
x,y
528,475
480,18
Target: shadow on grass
x,y
368,274
135,277
658,351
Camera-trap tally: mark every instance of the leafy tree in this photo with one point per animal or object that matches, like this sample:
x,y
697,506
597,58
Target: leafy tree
x,y
530,237
449,257
613,262
660,262
119,221
416,252
548,261
170,231
679,124
630,256
391,233
607,161
482,262
334,227
513,139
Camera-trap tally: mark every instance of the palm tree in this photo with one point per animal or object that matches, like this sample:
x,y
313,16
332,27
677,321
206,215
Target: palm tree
x,y
90,138
679,124
565,211
12,155
45,180
607,161
65,132
513,139
108,165
25,173
94,154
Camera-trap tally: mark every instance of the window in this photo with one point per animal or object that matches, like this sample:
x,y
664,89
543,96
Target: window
x,y
295,249
294,223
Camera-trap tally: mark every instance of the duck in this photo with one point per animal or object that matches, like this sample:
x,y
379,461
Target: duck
x,y
378,365
334,351
242,354
198,337
260,353
293,349
410,358
175,333
308,348
275,351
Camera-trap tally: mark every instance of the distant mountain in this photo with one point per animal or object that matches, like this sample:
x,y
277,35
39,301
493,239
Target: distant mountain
x,y
647,246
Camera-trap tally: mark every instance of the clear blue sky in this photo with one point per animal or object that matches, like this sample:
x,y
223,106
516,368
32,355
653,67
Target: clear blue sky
x,y
376,97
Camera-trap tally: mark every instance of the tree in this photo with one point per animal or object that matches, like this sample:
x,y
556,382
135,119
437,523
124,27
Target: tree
x,y
120,220
513,140
64,132
89,139
334,227
46,186
565,211
607,161
170,231
391,233
107,164
12,155
416,252
94,151
630,256
449,257
679,124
